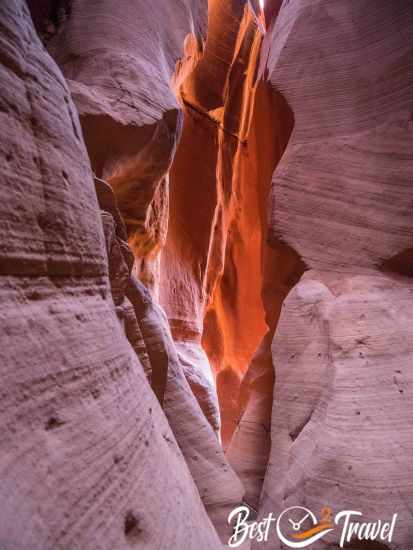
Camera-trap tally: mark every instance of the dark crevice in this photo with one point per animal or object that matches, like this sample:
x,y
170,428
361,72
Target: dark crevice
x,y
400,264
214,121
53,423
49,16
132,529
300,427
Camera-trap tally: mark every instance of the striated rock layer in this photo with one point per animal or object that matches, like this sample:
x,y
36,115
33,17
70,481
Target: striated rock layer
x,y
123,61
341,199
212,298
124,86
147,329
125,91
281,268
87,458
187,298
341,428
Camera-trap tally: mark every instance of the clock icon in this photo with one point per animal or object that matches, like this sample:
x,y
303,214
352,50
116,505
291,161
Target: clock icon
x,y
297,526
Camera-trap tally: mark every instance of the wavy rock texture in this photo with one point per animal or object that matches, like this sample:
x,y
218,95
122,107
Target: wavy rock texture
x,y
220,489
205,289
248,450
135,168
176,289
125,91
341,429
221,284
342,418
352,208
87,457
147,329
122,61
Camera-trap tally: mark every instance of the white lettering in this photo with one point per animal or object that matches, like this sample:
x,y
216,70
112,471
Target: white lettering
x,y
345,514
364,531
248,530
241,527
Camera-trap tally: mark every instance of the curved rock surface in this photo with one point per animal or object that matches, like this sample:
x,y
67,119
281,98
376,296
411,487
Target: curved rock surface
x,y
211,297
244,275
172,375
342,196
281,268
123,61
219,488
341,199
342,419
79,422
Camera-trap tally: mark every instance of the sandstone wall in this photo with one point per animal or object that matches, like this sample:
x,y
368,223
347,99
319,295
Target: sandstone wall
x,y
125,77
342,199
87,458
211,299
123,61
240,271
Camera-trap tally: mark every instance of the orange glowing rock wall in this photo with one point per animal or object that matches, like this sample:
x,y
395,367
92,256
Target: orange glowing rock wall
x,y
87,457
212,261
341,198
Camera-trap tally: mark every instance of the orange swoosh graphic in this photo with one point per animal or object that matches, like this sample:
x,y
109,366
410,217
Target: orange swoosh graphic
x,y
316,529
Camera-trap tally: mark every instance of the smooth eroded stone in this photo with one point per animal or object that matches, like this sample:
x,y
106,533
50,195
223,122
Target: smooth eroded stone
x,y
87,458
342,194
342,416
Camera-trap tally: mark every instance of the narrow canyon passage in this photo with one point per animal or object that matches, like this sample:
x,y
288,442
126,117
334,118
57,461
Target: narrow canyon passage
x,y
205,273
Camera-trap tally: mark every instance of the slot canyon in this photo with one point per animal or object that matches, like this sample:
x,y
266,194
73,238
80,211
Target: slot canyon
x,y
206,262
